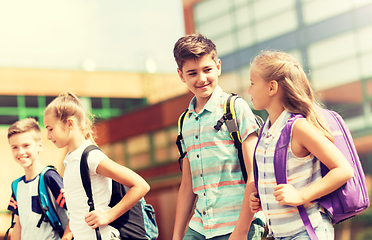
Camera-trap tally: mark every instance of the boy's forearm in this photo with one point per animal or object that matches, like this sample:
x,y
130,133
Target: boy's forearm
x,y
16,233
246,216
185,204
68,234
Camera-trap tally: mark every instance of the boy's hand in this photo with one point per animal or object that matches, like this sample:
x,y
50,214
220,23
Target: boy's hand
x,y
67,236
286,194
255,202
96,218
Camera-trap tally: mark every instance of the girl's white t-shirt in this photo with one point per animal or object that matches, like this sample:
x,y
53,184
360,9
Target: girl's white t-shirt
x,y
76,198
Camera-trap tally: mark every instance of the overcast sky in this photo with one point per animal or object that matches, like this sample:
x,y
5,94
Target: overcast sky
x,y
108,35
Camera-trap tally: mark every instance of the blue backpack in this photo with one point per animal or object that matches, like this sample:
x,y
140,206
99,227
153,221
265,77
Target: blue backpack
x,y
49,213
137,223
345,202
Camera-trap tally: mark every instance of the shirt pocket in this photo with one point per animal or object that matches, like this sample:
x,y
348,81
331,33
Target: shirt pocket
x,y
35,204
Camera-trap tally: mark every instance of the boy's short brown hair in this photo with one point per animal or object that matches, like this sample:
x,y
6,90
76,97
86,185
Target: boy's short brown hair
x,y
193,46
25,125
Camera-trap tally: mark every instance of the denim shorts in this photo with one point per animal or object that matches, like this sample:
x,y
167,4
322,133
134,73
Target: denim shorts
x,y
324,231
256,232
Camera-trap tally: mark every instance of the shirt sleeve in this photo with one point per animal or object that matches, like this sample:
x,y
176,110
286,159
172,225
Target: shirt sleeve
x,y
245,117
55,183
94,158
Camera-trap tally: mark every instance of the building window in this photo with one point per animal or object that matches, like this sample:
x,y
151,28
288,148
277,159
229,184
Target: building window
x,y
318,10
31,101
332,50
8,120
13,108
335,74
8,101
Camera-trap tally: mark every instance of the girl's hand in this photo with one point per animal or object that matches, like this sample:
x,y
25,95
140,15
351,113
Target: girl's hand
x,y
255,202
286,194
96,218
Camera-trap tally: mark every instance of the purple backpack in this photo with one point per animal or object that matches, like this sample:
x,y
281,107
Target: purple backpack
x,y
345,202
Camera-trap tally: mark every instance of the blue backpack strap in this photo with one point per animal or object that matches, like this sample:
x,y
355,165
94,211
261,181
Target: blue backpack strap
x,y
85,179
180,137
280,168
47,206
15,186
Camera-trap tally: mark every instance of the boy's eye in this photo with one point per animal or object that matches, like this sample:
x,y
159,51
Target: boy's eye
x,y
192,74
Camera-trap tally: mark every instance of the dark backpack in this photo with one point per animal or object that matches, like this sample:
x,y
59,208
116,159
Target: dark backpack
x,y
229,118
49,213
137,223
345,202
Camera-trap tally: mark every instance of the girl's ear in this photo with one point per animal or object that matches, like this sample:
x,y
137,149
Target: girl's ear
x,y
70,123
274,87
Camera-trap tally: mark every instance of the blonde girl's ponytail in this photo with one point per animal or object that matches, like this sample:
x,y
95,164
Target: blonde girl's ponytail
x,y
66,105
298,96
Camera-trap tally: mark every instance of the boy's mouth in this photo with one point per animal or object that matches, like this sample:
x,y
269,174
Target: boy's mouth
x,y
203,86
22,159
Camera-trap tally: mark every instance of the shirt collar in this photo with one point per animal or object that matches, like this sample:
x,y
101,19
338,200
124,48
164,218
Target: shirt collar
x,y
277,126
76,154
211,104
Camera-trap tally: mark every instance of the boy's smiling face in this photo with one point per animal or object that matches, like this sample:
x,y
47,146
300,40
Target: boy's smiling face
x,y
25,148
201,76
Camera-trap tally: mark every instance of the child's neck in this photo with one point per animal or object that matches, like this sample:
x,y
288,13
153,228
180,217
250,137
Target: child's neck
x,y
274,114
33,170
200,103
75,142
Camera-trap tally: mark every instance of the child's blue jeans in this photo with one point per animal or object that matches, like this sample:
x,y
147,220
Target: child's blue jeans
x,y
256,232
324,231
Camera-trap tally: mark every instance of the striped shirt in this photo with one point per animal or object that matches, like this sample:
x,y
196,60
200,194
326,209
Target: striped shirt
x,y
215,168
284,221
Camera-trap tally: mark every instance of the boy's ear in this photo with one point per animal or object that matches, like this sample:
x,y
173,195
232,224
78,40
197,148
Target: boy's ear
x,y
40,145
218,63
180,74
274,87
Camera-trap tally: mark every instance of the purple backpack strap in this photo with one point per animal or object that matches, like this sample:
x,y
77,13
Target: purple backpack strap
x,y
280,168
255,169
281,150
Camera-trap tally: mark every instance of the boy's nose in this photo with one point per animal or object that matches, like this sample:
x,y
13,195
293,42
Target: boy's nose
x,y
202,77
21,151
